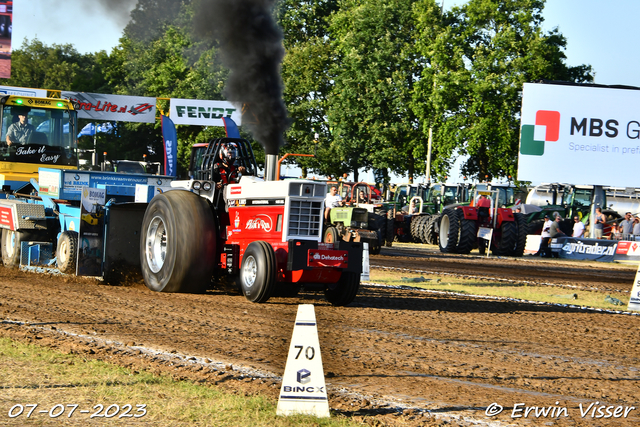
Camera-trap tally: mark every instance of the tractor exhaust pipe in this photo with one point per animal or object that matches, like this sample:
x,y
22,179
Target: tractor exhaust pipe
x,y
270,167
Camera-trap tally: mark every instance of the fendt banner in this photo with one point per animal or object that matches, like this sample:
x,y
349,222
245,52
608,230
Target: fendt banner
x,y
579,134
203,113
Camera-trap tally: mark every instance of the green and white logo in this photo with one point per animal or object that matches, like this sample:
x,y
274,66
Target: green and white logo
x,y
532,139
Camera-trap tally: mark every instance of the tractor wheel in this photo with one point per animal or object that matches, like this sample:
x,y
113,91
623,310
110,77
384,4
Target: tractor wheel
x,y
521,240
377,224
258,271
67,252
331,235
449,231
414,228
343,292
424,224
11,241
504,243
468,236
391,231
430,233
178,242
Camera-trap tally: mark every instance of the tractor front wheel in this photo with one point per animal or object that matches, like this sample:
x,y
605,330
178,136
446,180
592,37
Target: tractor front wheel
x,y
258,272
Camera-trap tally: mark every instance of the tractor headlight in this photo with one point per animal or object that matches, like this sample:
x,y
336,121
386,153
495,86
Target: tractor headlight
x,y
354,224
196,185
206,186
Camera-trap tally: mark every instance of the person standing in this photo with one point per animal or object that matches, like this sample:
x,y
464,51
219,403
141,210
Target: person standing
x,y
598,223
636,228
578,228
627,226
544,243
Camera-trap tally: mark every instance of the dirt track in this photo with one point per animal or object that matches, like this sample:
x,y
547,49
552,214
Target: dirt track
x,y
450,355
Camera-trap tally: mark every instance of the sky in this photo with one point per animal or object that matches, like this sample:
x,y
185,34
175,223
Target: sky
x,y
604,35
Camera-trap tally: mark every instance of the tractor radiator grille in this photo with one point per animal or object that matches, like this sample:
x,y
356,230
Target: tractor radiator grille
x,y
305,218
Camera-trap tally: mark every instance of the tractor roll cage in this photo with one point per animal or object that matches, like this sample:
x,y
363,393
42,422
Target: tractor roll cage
x,y
212,155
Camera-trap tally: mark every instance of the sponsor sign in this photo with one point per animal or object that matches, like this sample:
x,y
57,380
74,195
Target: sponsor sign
x,y
91,233
23,91
634,298
170,146
203,113
49,182
259,222
588,249
303,388
569,131
6,217
327,258
122,108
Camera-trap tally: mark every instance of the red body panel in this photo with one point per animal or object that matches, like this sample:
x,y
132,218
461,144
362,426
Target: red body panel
x,y
6,217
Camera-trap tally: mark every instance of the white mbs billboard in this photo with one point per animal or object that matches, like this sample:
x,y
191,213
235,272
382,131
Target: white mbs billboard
x,y
580,135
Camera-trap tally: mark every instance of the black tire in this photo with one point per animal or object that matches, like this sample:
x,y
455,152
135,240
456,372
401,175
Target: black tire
x,y
413,228
258,272
449,231
523,230
178,243
468,236
331,235
431,235
423,228
11,242
378,224
504,243
391,232
67,252
482,246
343,292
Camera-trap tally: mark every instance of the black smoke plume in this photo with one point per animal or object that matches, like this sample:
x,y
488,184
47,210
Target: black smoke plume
x,y
251,48
117,10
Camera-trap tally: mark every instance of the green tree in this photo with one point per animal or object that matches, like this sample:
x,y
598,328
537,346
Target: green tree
x,y
374,75
479,59
56,67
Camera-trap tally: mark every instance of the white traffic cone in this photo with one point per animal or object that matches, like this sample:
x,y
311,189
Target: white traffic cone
x,y
303,389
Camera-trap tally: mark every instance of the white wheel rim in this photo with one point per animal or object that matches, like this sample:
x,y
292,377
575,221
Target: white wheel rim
x,y
64,249
444,231
156,244
10,243
249,271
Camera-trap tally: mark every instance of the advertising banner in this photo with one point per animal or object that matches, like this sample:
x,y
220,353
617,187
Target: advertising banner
x,y
121,108
170,146
91,235
203,113
589,249
22,91
581,134
6,18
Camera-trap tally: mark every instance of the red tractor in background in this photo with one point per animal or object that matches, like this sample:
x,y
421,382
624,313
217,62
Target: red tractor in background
x,y
464,228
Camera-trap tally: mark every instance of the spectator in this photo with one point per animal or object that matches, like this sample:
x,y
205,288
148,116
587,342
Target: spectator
x,y
627,225
555,230
362,198
636,227
617,232
544,243
332,200
599,222
578,228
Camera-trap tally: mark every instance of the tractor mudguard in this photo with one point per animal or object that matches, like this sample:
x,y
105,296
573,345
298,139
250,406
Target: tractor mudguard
x,y
469,212
505,214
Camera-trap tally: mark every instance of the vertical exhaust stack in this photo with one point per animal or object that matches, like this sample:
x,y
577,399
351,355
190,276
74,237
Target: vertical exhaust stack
x,y
270,167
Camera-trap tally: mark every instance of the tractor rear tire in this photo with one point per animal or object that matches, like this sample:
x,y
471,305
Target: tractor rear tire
x,y
258,271
178,243
424,224
508,238
343,292
523,229
378,224
449,230
414,228
67,252
468,236
391,231
431,236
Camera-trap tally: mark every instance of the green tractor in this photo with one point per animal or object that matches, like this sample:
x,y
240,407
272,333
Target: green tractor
x,y
362,219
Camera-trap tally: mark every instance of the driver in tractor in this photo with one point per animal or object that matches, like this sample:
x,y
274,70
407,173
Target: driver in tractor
x,y
20,131
483,205
224,170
